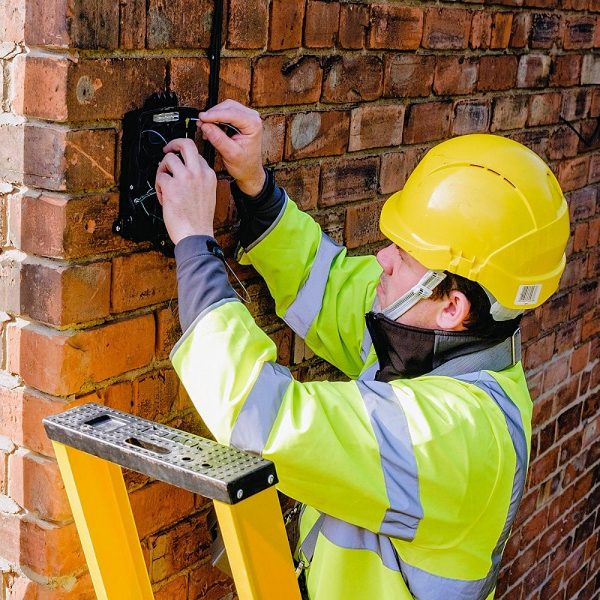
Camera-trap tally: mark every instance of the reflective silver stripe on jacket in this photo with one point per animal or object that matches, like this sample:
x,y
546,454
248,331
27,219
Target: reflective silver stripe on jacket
x,y
255,421
424,585
307,304
397,459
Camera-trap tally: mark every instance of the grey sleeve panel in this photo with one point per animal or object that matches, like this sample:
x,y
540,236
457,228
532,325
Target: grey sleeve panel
x,y
201,277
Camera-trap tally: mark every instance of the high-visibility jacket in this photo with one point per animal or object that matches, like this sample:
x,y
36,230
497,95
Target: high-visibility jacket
x,y
413,484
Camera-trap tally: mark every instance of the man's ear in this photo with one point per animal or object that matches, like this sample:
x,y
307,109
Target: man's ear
x,y
453,311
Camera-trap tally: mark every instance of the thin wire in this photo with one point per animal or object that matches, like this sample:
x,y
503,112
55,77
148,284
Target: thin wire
x,y
156,132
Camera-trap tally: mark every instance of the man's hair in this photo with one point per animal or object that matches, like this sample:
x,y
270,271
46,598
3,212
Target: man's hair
x,y
479,318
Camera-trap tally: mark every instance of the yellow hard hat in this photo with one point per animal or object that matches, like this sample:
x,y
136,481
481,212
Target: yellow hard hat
x,y
488,209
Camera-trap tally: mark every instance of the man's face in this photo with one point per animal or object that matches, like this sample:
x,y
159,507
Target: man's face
x,y
400,273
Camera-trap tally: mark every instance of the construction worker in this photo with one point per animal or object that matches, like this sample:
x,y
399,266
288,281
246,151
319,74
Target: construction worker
x,y
412,470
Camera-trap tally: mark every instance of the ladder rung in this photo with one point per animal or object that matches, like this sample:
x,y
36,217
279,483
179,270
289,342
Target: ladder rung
x,y
185,460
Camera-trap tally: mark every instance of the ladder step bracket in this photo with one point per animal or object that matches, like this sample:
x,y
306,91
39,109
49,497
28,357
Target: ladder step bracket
x,y
182,459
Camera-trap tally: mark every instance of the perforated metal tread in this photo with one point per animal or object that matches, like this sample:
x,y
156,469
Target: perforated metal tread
x,y
170,455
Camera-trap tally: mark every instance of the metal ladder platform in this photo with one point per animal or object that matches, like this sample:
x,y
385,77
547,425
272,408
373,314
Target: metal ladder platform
x,y
92,442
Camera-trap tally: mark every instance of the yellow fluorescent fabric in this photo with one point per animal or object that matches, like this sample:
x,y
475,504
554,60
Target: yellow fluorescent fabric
x,y
338,330
332,452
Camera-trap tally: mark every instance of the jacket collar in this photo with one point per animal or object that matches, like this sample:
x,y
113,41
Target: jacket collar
x,y
405,351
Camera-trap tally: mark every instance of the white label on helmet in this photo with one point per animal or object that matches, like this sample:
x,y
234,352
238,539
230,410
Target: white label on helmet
x,y
528,294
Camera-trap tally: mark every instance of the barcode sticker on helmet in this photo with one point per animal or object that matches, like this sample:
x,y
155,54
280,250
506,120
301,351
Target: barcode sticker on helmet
x,y
528,294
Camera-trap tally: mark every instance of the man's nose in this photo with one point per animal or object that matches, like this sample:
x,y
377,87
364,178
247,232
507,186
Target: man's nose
x,y
383,258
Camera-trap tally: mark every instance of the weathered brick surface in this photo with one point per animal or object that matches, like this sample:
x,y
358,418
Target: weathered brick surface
x,y
279,80
376,126
353,79
352,94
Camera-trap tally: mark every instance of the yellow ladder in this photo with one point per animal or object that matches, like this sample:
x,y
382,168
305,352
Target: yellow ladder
x,y
92,442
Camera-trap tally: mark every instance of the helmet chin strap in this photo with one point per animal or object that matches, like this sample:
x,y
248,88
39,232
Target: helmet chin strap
x,y
422,289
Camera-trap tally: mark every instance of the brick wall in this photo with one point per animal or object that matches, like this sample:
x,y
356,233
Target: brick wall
x,y
352,94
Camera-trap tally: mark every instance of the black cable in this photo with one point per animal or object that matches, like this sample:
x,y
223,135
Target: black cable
x,y
595,137
214,57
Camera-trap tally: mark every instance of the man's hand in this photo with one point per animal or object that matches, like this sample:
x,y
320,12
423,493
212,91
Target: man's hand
x,y
242,153
187,190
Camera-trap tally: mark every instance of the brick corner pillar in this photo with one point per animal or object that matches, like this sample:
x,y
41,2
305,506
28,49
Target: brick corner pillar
x,y
84,315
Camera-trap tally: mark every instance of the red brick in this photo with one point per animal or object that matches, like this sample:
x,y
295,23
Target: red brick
x,y
590,70
408,75
393,26
580,358
60,159
539,352
317,134
471,116
580,237
455,75
56,88
210,583
156,395
69,588
352,79
65,362
168,331
565,70
481,30
133,25
562,143
545,30
501,30
543,467
61,295
579,32
396,167
63,227
555,311
152,513
510,112
273,139
354,22
169,24
37,23
42,86
176,588
321,24
575,104
533,70
376,126
521,29
582,203
497,73
594,169
21,414
46,549
544,109
427,122
362,224
585,297
247,26
573,174
301,183
285,26
348,180
446,28
189,80
179,547
36,485
130,291
278,80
